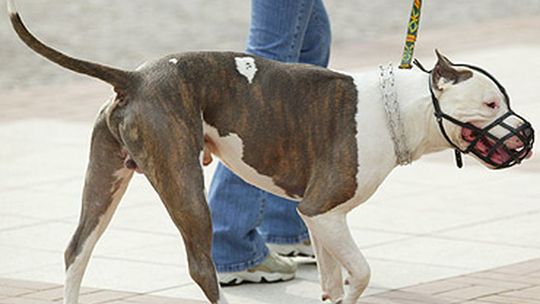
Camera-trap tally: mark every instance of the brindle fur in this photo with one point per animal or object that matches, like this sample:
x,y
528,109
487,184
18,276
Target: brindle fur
x,y
99,188
296,122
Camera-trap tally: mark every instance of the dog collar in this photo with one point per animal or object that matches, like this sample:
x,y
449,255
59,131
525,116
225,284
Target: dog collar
x,y
393,114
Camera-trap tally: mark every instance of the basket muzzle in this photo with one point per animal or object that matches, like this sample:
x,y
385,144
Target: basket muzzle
x,y
497,152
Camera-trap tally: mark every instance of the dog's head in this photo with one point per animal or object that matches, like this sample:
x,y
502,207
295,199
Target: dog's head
x,y
474,115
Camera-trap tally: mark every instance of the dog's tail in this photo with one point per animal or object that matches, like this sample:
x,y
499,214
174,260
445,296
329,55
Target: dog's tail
x,y
120,79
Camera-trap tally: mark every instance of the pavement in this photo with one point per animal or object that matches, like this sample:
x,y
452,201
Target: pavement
x,y
432,233
518,283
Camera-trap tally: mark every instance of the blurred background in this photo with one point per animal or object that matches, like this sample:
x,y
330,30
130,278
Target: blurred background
x,y
126,33
428,224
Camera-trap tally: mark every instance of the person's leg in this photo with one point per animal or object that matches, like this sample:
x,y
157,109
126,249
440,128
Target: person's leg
x,y
281,223
238,250
236,209
318,38
278,28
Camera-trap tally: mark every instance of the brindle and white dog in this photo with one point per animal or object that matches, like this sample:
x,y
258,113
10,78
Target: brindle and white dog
x,y
298,131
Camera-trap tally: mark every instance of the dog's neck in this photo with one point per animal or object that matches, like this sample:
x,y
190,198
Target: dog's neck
x,y
421,129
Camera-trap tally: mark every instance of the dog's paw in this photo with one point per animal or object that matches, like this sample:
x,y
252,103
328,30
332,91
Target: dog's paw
x,y
325,297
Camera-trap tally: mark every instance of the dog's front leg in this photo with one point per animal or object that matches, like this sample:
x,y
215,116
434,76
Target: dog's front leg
x,y
106,182
168,153
325,227
329,272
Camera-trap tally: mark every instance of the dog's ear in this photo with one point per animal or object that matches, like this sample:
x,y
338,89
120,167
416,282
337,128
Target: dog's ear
x,y
445,74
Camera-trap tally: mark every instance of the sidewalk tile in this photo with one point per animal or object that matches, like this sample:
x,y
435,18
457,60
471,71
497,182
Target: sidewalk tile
x,y
26,301
55,294
35,286
11,291
436,287
149,299
103,296
466,255
489,282
502,299
526,293
473,292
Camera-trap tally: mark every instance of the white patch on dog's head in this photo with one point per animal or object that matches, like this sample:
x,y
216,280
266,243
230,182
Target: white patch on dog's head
x,y
173,60
246,66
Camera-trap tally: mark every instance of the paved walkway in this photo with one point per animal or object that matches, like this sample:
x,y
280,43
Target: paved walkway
x,y
428,222
514,284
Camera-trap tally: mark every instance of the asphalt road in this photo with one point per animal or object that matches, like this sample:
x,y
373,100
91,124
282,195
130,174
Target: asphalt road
x,y
126,33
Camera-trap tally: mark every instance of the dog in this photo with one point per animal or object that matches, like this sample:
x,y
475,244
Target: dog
x,y
301,132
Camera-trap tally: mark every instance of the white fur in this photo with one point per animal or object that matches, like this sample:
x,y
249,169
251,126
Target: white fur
x,y
329,271
75,272
173,61
201,157
246,66
12,9
325,228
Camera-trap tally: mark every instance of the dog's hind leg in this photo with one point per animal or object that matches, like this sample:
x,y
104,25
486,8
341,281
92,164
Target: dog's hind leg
x,y
325,227
105,183
170,161
329,272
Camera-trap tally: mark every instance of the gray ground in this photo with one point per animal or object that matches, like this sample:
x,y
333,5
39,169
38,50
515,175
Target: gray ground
x,y
127,32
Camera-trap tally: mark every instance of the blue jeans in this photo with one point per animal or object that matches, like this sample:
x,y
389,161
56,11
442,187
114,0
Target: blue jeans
x,y
244,217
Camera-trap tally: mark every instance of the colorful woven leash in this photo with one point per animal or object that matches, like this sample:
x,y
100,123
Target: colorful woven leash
x,y
412,34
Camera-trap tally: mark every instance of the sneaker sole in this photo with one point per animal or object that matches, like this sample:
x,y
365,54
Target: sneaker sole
x,y
234,279
296,253
285,250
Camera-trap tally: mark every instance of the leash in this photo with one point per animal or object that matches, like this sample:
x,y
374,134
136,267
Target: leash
x,y
412,35
388,90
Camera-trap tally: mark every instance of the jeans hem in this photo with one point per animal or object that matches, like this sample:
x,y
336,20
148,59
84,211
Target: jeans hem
x,y
274,239
258,259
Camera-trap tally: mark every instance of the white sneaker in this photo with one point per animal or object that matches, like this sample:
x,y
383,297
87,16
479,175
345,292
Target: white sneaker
x,y
273,269
303,249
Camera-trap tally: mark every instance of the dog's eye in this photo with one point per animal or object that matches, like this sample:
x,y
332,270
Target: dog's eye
x,y
492,105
